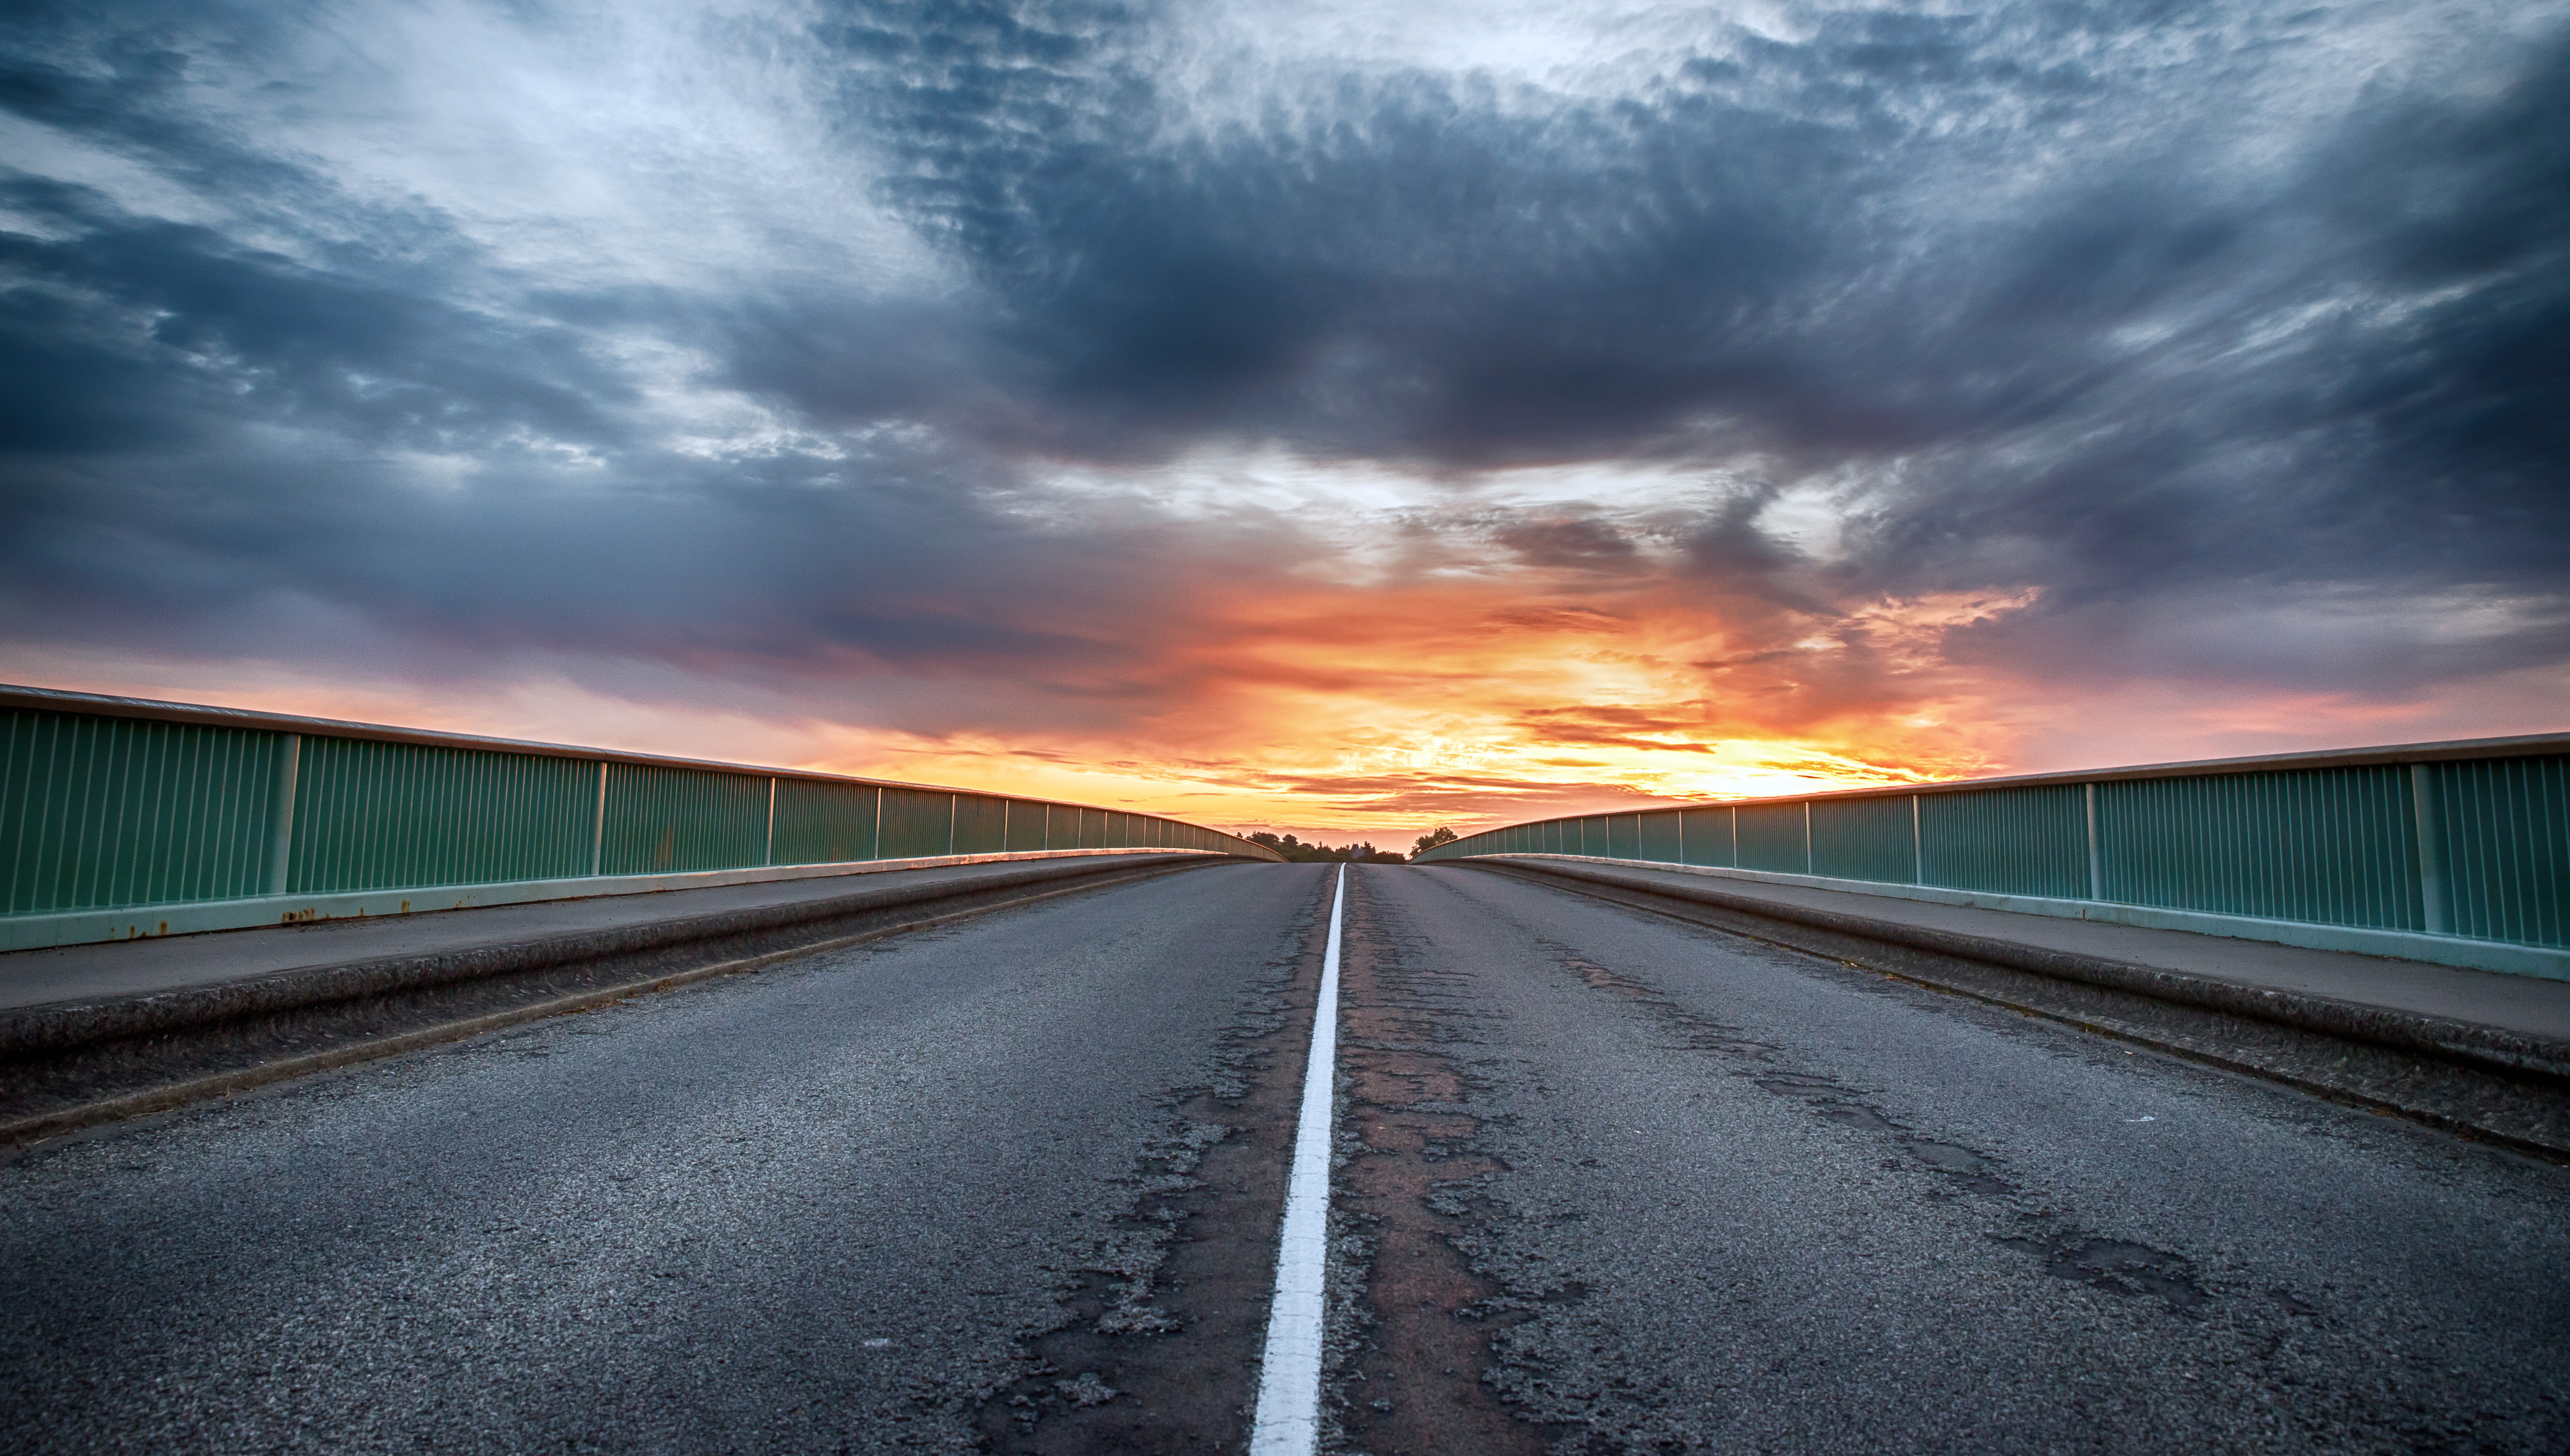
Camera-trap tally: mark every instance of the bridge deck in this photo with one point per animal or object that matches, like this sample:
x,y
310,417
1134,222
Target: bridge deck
x,y
1611,1182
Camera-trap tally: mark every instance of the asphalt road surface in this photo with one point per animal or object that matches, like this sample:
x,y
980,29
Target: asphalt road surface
x,y
1609,1183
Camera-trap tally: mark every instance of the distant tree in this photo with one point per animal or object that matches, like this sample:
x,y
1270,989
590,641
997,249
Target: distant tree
x,y
1441,836
1317,853
1302,853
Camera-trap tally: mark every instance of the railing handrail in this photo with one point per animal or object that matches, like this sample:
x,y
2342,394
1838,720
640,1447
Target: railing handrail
x,y
58,700
2526,745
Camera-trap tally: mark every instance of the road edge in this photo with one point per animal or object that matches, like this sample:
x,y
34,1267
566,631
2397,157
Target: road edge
x,y
2487,1083
18,1133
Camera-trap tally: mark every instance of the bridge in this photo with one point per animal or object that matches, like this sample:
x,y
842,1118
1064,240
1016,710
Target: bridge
x,y
378,1089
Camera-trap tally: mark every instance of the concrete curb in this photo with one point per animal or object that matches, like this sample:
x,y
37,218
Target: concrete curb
x,y
2484,1082
2491,1048
167,1097
61,1027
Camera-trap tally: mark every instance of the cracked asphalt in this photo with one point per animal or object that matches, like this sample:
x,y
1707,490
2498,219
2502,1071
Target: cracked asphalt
x,y
1697,1192
1607,1182
838,1204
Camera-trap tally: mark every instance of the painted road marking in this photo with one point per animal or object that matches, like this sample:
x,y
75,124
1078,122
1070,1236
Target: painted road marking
x,y
1289,1383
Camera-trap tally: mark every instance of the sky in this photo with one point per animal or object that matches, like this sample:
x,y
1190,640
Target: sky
x,y
1339,418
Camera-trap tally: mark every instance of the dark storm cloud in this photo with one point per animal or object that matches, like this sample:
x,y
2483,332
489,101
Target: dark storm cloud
x,y
1577,543
209,445
1417,271
365,346
205,438
2007,267
2163,372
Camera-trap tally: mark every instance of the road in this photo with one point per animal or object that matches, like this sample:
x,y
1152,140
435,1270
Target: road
x,y
1609,1183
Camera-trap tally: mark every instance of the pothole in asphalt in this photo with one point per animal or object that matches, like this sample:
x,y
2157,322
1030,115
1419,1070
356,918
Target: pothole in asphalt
x,y
1970,1171
2130,1270
1857,1116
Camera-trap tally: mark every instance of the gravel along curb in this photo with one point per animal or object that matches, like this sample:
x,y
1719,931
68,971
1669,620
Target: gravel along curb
x,y
165,1040
2490,1082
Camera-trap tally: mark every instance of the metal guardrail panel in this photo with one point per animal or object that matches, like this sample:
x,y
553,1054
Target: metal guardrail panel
x,y
1623,836
1709,839
1772,838
2503,829
2467,841
659,820
1866,839
1659,837
111,803
2008,841
106,812
2334,847
981,825
1026,829
824,823
378,816
915,824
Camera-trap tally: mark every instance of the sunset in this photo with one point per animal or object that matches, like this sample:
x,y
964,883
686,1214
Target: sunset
x,y
1285,727
1295,417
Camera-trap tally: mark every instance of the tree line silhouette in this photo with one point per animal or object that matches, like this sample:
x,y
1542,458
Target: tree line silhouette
x,y
1317,853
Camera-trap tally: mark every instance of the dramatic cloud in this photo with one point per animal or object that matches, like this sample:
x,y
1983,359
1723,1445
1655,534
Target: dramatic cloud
x,y
1327,417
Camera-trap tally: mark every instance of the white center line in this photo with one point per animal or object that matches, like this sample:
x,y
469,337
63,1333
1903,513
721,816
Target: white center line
x,y
1289,1383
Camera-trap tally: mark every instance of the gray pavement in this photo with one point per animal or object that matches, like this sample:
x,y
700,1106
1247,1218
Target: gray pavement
x,y
2489,998
1610,1182
818,1207
1713,1194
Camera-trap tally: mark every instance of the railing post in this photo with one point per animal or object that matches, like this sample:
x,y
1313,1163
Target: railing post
x,y
1806,835
1735,835
770,857
2096,861
598,833
1917,849
280,815
2435,906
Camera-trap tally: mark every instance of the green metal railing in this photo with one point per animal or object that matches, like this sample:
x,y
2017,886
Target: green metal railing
x,y
111,808
2465,842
